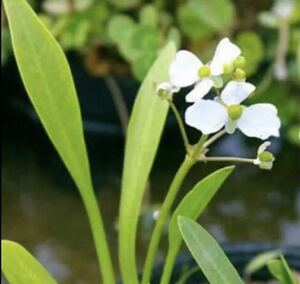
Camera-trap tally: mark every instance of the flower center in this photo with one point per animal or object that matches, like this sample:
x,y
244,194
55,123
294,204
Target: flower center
x,y
239,74
266,156
235,111
204,71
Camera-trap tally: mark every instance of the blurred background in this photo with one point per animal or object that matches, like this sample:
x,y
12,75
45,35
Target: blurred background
x,y
110,45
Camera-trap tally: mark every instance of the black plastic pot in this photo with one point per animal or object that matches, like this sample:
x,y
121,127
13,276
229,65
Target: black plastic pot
x,y
239,254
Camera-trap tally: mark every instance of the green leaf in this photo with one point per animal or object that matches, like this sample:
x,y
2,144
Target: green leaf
x,y
217,15
148,15
252,49
48,81
142,63
49,84
281,271
192,206
125,4
20,267
207,253
260,261
120,27
144,132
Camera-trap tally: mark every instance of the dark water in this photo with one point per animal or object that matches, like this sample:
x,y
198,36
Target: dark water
x,y
43,211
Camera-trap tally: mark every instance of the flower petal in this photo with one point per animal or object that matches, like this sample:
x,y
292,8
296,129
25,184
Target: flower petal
x,y
260,120
236,92
263,147
199,91
225,52
183,70
206,115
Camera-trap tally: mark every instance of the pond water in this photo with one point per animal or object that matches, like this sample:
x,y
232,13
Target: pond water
x,y
43,211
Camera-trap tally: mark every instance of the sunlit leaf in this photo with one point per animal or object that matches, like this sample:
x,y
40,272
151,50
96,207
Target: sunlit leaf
x,y
148,15
208,254
143,137
20,267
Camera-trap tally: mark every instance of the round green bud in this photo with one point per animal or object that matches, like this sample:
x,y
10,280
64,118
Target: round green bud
x,y
266,156
239,74
240,62
204,71
228,68
235,111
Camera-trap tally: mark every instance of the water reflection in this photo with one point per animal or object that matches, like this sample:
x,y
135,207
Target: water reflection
x,y
43,211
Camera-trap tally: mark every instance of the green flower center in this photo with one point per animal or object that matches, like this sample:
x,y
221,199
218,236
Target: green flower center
x,y
266,156
204,71
235,111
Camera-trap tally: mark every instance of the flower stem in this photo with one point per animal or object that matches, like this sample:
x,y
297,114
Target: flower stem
x,y
181,125
227,159
214,138
183,170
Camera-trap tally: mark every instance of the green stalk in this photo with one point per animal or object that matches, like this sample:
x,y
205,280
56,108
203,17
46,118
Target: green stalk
x,y
98,232
183,170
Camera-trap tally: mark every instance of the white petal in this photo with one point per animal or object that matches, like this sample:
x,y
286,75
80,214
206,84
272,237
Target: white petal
x,y
260,120
206,115
236,92
199,91
225,52
167,86
263,147
183,70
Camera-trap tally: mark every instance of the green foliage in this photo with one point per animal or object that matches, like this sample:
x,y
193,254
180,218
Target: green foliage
x,y
78,30
143,136
260,261
20,267
293,134
192,206
252,49
48,81
149,16
125,4
207,253
200,18
281,271
5,45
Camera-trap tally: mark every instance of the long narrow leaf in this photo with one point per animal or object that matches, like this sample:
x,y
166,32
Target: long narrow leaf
x,y
49,84
143,136
20,267
192,206
281,271
207,253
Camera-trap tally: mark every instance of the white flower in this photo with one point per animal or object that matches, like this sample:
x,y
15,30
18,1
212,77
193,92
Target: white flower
x,y
258,120
264,158
187,69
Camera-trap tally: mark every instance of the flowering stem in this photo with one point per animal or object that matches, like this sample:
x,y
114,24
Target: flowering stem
x,y
227,159
183,170
180,124
214,138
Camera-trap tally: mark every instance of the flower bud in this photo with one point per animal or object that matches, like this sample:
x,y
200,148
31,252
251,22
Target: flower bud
x,y
239,74
164,94
266,156
235,111
204,71
240,62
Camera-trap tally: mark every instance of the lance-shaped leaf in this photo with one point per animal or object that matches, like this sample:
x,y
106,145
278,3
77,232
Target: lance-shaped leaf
x,y
20,267
49,84
281,271
143,137
208,254
192,206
